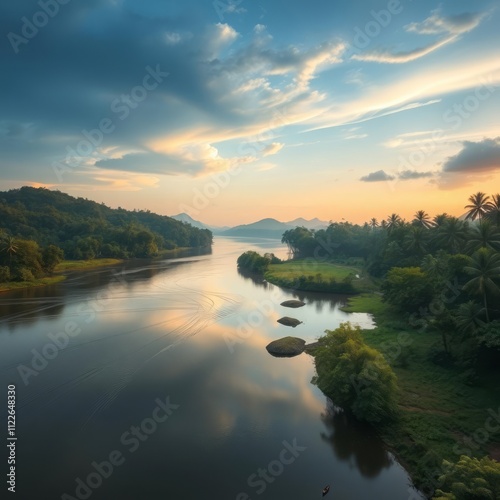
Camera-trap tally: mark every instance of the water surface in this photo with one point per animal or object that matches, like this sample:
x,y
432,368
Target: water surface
x,y
182,341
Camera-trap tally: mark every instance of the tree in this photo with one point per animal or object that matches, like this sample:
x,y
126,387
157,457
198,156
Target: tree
x,y
470,479
484,268
493,211
421,218
51,256
355,376
9,246
451,234
393,221
373,223
416,240
484,235
408,288
478,206
468,318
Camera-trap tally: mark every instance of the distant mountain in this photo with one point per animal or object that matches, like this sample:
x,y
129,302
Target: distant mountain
x,y
272,228
265,228
184,217
309,224
188,219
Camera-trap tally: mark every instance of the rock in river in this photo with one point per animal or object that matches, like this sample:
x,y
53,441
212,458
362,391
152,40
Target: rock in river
x,y
286,347
289,321
293,303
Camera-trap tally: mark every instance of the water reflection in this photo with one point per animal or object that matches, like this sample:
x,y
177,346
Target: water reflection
x,y
159,330
354,442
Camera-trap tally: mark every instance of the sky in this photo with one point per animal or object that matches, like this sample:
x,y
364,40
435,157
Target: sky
x,y
236,110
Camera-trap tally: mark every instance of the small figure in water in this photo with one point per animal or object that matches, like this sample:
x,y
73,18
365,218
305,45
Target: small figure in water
x,y
326,489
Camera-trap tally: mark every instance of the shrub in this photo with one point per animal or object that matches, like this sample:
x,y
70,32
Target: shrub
x,y
355,376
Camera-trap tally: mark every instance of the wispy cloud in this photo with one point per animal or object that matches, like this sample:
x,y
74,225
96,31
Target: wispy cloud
x,y
449,29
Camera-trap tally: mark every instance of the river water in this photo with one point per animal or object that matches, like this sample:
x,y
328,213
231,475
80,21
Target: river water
x,y
151,381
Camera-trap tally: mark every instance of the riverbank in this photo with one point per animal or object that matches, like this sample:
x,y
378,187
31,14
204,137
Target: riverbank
x,y
75,265
309,275
64,266
442,416
16,285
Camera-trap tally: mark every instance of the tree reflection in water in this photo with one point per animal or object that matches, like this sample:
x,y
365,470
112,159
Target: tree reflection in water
x,y
354,442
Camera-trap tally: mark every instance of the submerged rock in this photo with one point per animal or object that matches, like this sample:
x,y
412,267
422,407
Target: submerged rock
x,y
293,303
286,347
289,321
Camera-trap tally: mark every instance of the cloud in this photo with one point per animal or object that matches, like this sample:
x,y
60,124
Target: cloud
x,y
406,175
483,156
272,149
378,176
437,24
450,28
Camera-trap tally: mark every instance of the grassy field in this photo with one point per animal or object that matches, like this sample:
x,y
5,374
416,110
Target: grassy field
x,y
14,285
317,276
70,265
442,415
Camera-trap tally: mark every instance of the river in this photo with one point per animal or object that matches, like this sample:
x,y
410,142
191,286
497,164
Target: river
x,y
151,381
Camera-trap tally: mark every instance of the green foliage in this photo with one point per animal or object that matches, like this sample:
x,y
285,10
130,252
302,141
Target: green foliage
x,y
51,256
355,376
84,229
470,479
4,274
253,262
408,288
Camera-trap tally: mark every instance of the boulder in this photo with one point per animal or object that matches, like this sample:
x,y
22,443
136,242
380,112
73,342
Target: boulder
x,y
286,347
289,321
293,303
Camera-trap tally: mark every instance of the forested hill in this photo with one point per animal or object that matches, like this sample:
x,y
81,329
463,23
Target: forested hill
x,y
85,229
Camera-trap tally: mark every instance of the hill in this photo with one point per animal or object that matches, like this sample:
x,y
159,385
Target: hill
x,y
85,229
187,219
265,228
272,228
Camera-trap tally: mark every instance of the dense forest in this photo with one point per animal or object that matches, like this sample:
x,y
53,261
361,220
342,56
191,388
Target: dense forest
x,y
39,226
442,272
437,306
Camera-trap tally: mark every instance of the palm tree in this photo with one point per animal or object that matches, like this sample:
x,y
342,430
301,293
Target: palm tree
x,y
383,224
493,212
485,269
421,218
467,317
374,223
479,205
416,240
451,234
393,221
440,219
485,235
9,246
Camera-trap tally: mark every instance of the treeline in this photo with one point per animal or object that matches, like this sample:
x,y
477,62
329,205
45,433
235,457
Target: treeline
x,y
37,223
443,273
